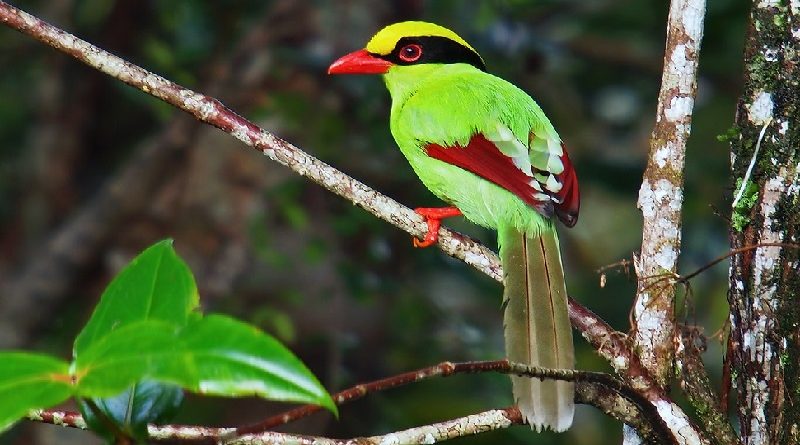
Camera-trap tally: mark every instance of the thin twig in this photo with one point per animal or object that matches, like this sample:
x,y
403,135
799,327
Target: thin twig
x,y
598,389
662,281
736,252
624,264
446,369
684,279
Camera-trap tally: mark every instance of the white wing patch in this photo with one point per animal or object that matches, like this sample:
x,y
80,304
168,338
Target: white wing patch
x,y
546,154
541,161
509,145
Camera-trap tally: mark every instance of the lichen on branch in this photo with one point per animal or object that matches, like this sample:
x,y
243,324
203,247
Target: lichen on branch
x,y
764,283
661,193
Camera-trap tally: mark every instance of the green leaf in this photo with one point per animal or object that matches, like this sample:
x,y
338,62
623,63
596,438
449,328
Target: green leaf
x,y
156,285
146,402
214,355
142,350
236,359
30,381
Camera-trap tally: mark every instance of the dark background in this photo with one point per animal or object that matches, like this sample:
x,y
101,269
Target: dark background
x,y
99,171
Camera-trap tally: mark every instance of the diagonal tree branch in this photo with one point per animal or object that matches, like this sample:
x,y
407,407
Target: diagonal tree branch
x,y
463,426
696,384
486,421
603,391
614,347
213,112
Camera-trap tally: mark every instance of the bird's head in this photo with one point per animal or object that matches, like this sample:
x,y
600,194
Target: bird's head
x,y
407,44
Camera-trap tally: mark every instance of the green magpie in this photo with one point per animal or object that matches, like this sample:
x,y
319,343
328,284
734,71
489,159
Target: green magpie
x,y
486,147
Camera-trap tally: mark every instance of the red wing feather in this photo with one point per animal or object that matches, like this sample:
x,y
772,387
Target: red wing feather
x,y
569,197
481,157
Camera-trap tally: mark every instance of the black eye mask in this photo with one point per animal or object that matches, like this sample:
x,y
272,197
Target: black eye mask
x,y
435,50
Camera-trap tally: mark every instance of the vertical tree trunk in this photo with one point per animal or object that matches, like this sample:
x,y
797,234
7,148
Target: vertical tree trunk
x,y
661,194
765,282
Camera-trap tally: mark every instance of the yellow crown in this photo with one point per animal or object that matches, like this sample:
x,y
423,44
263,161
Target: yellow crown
x,y
386,39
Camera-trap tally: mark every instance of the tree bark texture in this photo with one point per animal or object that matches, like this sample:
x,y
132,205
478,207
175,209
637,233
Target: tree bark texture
x,y
765,282
661,194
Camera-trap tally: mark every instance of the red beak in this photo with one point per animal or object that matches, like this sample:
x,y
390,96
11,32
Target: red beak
x,y
359,62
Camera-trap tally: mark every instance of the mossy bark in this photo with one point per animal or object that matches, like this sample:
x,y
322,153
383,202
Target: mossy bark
x,y
765,282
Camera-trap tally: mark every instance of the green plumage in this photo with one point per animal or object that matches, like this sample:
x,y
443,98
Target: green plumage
x,y
446,105
443,100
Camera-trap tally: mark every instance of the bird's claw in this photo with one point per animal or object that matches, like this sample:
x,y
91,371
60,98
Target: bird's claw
x,y
433,233
433,218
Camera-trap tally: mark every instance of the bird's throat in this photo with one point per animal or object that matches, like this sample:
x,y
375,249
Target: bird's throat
x,y
403,81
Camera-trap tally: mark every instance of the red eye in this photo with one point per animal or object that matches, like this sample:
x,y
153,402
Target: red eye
x,y
410,53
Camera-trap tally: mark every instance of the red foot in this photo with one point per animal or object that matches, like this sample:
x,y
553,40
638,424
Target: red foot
x,y
433,217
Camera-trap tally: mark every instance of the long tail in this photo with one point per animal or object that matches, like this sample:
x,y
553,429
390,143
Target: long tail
x,y
537,328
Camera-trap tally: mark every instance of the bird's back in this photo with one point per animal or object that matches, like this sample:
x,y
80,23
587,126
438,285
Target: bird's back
x,y
453,102
448,106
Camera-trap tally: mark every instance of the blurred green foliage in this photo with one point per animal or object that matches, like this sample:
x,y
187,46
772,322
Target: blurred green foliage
x,y
358,301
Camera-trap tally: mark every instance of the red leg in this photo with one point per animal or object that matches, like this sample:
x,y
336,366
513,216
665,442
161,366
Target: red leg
x,y
433,217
